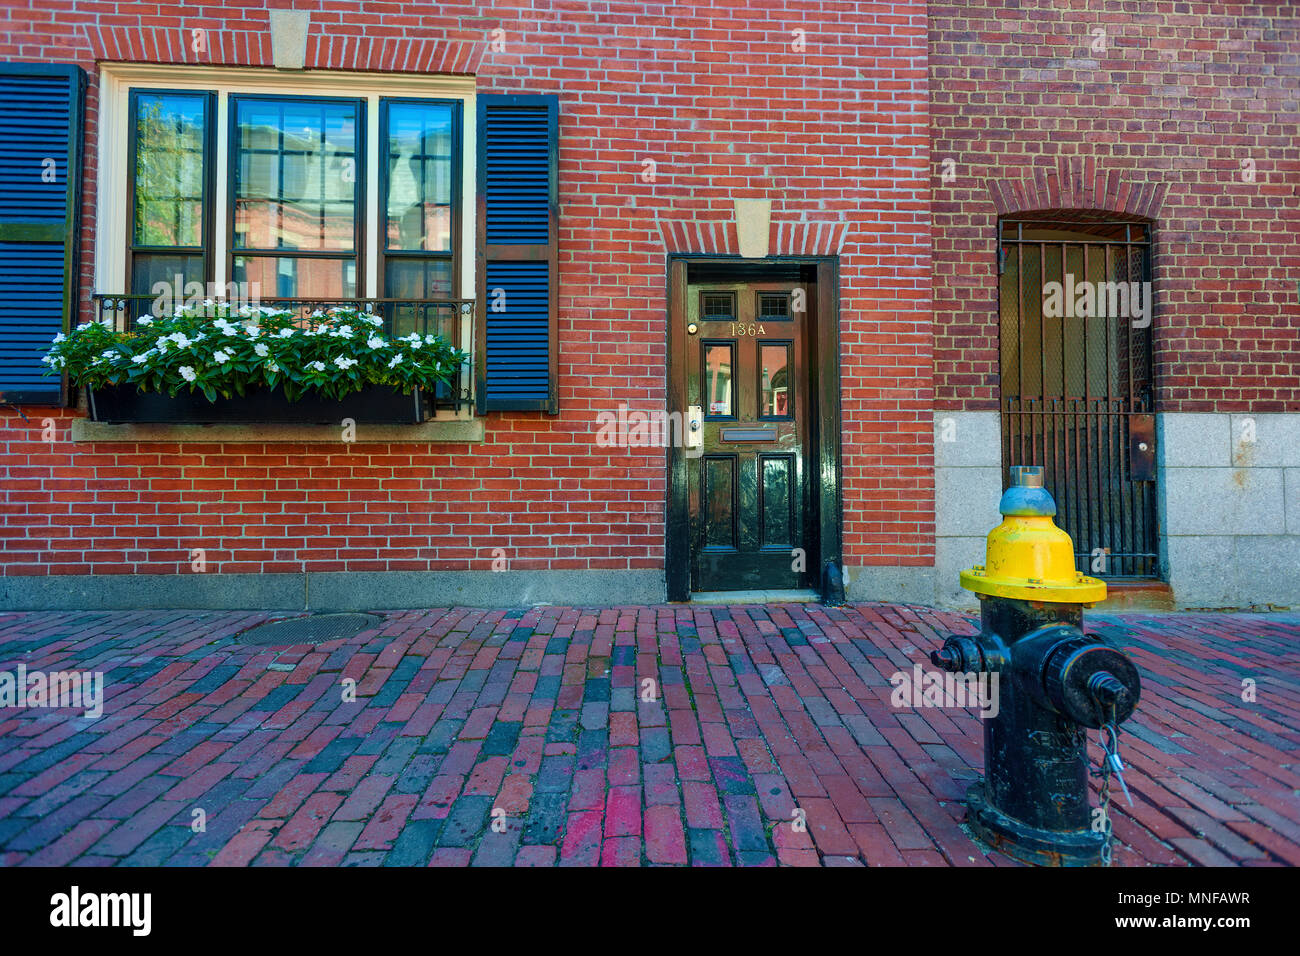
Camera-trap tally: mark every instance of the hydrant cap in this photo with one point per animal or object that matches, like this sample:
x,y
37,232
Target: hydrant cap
x,y
1027,556
1027,496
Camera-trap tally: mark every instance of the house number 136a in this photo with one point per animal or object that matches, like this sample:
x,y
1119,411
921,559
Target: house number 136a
x,y
743,329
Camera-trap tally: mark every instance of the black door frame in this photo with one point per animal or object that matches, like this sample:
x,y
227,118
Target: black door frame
x,y
825,542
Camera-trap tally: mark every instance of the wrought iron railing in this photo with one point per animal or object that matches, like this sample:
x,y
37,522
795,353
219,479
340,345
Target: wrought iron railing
x,y
442,317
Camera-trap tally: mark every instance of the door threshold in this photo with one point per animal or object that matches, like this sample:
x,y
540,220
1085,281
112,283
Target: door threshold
x,y
776,596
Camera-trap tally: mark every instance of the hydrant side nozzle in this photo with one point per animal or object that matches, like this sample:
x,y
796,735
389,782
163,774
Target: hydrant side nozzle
x,y
946,659
1109,692
981,654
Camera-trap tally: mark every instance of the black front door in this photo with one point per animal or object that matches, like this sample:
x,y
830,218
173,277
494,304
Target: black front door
x,y
748,420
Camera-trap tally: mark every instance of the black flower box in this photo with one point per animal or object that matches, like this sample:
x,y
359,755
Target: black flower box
x,y
372,405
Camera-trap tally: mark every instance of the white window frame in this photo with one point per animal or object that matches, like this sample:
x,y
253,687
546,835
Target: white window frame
x,y
117,80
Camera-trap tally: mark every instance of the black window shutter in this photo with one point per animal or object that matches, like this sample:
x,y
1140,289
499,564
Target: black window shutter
x,y
518,265
40,193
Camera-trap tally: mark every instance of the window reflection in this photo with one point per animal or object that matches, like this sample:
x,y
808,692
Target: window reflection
x,y
296,174
296,276
717,380
170,133
774,381
420,143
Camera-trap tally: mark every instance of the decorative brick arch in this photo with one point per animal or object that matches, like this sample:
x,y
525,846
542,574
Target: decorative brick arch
x,y
785,238
141,44
1076,185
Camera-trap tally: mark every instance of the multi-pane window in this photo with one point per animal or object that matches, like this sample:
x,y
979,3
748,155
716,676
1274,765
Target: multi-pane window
x,y
297,198
296,226
170,134
419,141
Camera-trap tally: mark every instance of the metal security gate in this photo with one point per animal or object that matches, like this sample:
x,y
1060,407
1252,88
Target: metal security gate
x,y
1076,380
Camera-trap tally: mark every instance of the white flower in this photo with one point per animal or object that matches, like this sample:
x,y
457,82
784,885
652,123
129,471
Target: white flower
x,y
430,339
317,314
396,360
286,333
261,350
221,355
316,366
187,373
60,337
109,354
375,342
162,346
344,362
372,319
272,367
180,340
139,359
413,338
145,320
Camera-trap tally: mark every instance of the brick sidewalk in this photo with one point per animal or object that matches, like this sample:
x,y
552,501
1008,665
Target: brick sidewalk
x,y
538,713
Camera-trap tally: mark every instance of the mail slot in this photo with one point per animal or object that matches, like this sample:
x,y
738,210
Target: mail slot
x,y
749,434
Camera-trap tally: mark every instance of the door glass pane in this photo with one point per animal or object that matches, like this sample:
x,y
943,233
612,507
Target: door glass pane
x,y
773,307
717,380
775,396
419,153
295,174
289,277
170,138
718,306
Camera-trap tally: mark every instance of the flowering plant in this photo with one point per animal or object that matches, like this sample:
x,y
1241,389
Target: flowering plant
x,y
224,352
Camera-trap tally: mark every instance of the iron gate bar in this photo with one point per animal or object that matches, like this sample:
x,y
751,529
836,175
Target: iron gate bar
x,y
1080,430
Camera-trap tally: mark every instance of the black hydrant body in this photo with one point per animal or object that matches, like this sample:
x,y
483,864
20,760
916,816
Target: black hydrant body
x,y
1054,683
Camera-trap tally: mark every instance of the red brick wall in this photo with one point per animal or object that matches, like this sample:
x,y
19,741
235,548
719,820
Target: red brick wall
x,y
1182,94
715,94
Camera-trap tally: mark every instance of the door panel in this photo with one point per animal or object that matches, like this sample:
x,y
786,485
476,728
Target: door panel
x,y
747,488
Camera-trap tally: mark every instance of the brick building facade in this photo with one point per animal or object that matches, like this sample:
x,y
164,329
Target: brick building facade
x,y
863,154
1184,116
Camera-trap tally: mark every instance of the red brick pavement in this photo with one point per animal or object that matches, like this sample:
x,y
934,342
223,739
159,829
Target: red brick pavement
x,y
623,736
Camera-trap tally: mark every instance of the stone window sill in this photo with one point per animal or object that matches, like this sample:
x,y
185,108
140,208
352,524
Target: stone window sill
x,y
458,431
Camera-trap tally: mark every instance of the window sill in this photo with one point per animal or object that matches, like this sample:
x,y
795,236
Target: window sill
x,y
457,431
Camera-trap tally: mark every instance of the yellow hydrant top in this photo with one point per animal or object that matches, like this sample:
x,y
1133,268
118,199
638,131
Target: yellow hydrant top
x,y
1028,557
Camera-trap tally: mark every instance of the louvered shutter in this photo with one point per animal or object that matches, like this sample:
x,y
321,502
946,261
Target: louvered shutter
x,y
40,189
518,274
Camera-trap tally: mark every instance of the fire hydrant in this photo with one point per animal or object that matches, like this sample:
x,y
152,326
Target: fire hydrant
x,y
1053,684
